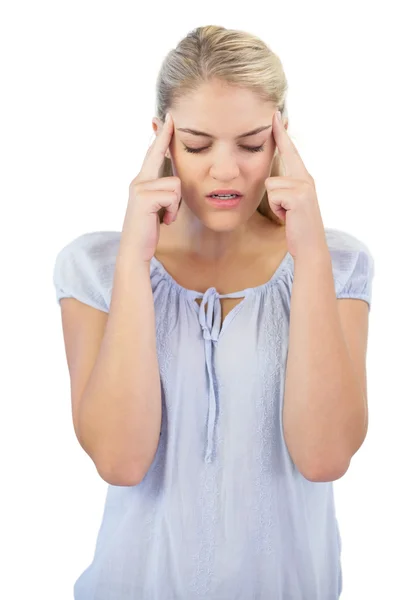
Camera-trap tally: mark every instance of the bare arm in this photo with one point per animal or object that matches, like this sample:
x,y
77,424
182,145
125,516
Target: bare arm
x,y
119,418
325,409
120,412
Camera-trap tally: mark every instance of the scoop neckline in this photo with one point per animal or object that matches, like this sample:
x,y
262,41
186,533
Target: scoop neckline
x,y
281,268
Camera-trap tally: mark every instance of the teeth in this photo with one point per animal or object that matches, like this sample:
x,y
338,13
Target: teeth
x,y
226,196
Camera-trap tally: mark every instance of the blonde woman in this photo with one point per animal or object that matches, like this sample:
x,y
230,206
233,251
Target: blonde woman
x,y
216,348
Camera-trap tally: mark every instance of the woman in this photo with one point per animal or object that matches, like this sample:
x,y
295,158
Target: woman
x,y
219,445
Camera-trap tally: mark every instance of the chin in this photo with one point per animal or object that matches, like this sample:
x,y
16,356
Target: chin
x,y
223,221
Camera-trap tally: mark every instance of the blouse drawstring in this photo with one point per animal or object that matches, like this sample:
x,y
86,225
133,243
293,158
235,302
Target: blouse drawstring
x,y
210,321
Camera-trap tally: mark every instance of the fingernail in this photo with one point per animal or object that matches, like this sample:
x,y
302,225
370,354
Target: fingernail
x,y
167,118
279,116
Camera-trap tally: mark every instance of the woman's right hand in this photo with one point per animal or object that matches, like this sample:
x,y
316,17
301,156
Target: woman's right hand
x,y
148,194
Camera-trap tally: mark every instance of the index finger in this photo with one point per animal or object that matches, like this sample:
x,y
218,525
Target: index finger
x,y
289,155
155,155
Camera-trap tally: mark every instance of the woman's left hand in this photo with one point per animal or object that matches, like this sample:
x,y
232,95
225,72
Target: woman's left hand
x,y
293,199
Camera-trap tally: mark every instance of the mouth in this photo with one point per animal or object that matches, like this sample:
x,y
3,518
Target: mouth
x,y
223,193
224,201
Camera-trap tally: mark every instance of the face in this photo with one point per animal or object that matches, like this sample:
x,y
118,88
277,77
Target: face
x,y
224,159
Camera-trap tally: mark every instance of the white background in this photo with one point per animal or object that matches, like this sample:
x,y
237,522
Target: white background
x,y
78,82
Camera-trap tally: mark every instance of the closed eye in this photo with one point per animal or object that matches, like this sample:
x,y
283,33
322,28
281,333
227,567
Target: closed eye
x,y
248,148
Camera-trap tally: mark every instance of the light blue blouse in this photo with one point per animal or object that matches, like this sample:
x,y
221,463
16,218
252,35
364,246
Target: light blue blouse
x,y
223,513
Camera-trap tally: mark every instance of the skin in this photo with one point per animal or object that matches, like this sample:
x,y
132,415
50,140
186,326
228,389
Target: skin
x,y
201,231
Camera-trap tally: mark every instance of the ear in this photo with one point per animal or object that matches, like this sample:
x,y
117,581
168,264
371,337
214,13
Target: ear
x,y
157,125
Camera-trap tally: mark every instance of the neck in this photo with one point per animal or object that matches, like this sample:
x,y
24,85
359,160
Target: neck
x,y
191,236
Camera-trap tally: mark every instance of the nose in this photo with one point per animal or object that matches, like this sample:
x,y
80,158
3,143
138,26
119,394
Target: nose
x,y
224,167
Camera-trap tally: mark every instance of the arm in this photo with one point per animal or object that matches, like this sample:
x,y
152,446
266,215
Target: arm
x,y
120,412
325,410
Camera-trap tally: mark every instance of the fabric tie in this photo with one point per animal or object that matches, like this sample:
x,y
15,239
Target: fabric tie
x,y
210,321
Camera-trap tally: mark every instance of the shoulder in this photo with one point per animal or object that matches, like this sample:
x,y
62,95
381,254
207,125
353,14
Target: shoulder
x,y
339,240
84,267
346,250
96,245
353,264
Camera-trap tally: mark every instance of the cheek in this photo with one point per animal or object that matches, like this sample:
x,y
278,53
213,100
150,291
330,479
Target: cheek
x,y
258,169
186,166
266,158
178,157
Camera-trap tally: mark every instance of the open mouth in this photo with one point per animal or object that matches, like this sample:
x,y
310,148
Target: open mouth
x,y
224,201
225,196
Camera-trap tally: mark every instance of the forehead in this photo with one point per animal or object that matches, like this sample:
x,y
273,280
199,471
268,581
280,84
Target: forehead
x,y
222,109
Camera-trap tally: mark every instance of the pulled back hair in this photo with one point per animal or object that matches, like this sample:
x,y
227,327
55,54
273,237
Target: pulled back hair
x,y
235,57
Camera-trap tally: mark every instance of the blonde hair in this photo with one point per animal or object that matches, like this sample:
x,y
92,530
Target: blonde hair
x,y
235,57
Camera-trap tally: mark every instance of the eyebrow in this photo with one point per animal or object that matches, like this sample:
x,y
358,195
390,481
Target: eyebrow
x,y
203,134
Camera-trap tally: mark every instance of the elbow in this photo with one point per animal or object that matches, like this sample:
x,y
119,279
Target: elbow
x,y
126,477
325,473
115,476
127,474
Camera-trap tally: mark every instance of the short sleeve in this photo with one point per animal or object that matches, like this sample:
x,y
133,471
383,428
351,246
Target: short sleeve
x,y
84,269
353,266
